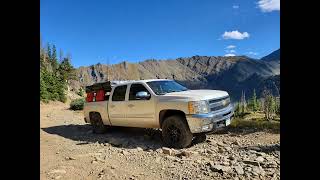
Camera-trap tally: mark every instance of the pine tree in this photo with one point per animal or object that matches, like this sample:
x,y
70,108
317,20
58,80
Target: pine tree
x,y
243,102
254,101
44,95
49,53
237,112
60,56
54,60
66,70
277,102
269,105
52,84
273,106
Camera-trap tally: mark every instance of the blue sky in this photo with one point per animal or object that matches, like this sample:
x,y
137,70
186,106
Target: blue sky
x,y
134,30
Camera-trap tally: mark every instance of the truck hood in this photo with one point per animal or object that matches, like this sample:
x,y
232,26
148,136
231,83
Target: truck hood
x,y
196,95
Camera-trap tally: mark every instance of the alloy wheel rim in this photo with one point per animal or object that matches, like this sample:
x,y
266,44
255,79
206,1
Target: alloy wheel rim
x,y
174,134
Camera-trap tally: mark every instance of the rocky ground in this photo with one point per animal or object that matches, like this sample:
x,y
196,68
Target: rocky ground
x,y
69,150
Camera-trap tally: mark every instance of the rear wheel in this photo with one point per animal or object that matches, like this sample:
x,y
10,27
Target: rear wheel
x,y
97,124
176,132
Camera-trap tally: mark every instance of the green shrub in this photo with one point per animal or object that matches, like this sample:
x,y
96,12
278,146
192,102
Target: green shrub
x,y
77,104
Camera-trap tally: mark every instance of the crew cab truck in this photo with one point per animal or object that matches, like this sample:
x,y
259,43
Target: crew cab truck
x,y
180,113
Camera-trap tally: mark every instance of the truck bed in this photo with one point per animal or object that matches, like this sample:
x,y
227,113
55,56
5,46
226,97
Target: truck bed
x,y
100,107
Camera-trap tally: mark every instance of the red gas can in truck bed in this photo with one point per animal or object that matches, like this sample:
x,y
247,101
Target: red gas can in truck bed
x,y
89,97
100,95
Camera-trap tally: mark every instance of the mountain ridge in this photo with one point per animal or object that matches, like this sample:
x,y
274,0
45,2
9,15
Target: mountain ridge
x,y
232,74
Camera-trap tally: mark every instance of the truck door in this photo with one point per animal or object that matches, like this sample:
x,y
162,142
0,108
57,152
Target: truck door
x,y
118,106
140,111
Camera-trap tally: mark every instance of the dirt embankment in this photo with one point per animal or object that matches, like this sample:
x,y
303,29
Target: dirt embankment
x,y
69,150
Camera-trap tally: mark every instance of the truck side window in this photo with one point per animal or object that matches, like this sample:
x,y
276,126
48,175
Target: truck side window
x,y
119,93
136,88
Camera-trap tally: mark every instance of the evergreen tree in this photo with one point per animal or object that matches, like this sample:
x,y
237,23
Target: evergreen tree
x,y
49,53
52,84
237,112
243,106
254,102
277,102
269,105
66,70
60,56
44,95
54,60
42,58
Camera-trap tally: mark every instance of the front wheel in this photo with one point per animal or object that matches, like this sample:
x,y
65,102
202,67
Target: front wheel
x,y
176,132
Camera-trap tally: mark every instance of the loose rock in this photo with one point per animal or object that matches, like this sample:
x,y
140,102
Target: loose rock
x,y
220,168
239,170
166,150
221,144
70,158
60,171
255,163
260,159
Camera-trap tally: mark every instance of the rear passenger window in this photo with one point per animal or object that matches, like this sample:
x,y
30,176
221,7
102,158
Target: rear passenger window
x,y
119,93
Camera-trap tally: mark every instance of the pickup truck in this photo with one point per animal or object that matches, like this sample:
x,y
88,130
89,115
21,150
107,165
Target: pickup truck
x,y
180,113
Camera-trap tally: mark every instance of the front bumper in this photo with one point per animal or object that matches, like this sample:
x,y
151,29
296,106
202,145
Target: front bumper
x,y
208,122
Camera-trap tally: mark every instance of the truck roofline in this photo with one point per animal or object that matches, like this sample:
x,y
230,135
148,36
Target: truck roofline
x,y
137,81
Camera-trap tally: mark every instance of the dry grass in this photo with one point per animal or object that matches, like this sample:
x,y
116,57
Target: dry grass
x,y
256,121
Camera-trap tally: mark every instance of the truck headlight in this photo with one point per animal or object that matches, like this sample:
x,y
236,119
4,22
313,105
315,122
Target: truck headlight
x,y
198,107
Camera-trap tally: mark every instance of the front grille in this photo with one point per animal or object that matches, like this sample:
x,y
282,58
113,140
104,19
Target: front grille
x,y
217,104
217,100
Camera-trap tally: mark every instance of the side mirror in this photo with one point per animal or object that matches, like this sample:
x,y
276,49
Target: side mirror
x,y
142,95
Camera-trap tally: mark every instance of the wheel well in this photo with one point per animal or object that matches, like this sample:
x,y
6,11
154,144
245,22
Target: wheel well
x,y
166,113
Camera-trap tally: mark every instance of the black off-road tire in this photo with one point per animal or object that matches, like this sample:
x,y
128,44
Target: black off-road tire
x,y
176,132
199,138
97,125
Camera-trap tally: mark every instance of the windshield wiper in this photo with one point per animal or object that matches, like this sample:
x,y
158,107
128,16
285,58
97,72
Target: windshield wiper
x,y
162,93
175,91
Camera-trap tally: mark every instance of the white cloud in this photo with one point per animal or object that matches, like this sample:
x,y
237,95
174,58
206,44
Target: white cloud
x,y
235,35
252,53
230,51
269,5
235,6
231,46
228,55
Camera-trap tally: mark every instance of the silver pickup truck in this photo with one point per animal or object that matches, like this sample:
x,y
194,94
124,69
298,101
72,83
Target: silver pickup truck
x,y
180,113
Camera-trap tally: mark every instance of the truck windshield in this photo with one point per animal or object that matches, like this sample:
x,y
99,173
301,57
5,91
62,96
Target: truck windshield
x,y
164,87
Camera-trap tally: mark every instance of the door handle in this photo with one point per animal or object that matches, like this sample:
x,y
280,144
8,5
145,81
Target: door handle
x,y
130,105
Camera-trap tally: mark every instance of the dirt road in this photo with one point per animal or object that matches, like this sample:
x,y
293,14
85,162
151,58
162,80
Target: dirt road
x,y
69,150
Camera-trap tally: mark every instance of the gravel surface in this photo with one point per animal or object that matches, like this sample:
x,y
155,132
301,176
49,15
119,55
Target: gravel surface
x,y
69,150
